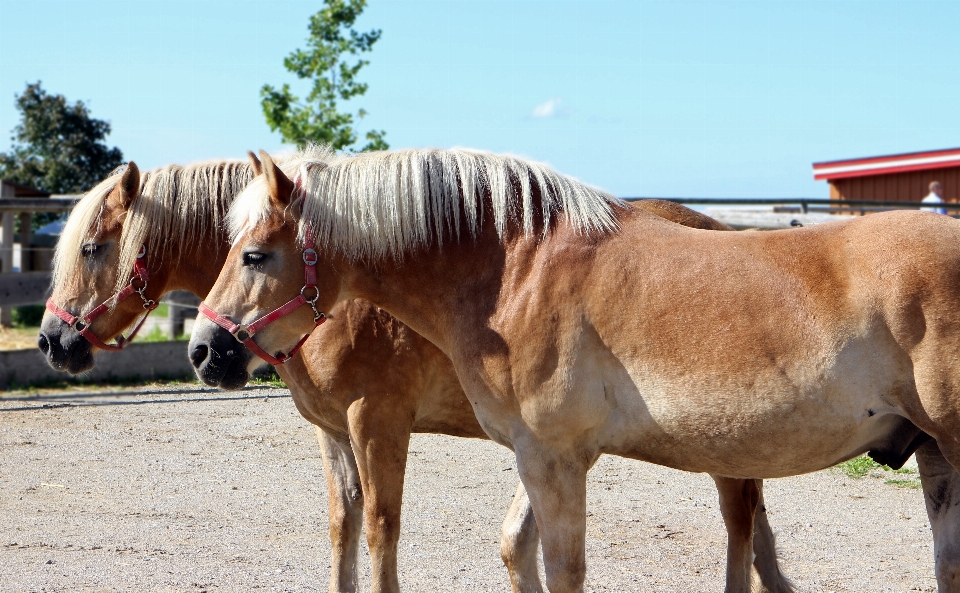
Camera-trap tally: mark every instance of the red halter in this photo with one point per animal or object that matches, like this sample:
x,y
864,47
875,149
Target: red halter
x,y
244,333
82,324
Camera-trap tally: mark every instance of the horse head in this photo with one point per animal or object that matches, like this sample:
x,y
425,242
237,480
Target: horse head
x,y
87,270
270,292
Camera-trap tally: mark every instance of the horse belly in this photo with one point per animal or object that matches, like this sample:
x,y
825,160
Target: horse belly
x,y
775,429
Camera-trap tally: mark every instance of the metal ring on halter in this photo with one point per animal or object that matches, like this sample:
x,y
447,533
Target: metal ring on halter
x,y
315,297
142,252
312,259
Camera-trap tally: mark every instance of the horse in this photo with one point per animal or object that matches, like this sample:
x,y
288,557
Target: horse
x,y
578,326
364,420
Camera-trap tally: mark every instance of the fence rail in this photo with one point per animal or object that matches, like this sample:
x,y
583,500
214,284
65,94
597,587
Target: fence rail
x,y
806,204
23,288
51,204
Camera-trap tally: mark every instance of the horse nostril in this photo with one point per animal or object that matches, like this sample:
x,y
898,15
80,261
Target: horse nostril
x,y
43,344
199,354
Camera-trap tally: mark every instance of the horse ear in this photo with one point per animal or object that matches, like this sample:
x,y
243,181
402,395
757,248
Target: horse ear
x,y
129,185
255,163
279,185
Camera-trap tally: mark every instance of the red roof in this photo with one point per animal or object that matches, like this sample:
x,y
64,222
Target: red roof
x,y
894,163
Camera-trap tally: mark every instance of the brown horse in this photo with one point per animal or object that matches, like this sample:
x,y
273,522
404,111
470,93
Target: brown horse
x,y
364,419
579,327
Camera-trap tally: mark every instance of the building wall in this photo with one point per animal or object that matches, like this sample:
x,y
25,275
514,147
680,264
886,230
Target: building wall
x,y
897,187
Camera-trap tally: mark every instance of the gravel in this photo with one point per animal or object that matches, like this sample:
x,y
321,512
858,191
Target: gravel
x,y
183,488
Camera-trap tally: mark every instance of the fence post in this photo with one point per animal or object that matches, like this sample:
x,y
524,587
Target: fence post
x,y
182,306
26,237
6,248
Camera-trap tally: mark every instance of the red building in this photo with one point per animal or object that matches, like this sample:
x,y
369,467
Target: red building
x,y
895,178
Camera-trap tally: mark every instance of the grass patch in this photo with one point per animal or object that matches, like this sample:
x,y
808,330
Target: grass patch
x,y
158,335
28,316
913,483
858,467
267,376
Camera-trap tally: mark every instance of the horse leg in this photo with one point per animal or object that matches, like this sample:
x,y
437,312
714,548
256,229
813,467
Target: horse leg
x,y
345,503
380,443
772,580
557,486
738,503
519,543
941,493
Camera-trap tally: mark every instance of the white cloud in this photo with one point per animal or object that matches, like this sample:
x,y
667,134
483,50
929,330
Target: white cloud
x,y
547,109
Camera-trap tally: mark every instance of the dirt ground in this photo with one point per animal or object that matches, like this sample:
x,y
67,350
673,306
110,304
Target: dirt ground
x,y
182,488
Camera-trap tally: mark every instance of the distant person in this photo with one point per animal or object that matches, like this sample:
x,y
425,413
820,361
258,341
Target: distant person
x,y
934,197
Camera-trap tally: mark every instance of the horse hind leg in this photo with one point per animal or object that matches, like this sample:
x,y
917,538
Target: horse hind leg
x,y
345,503
738,504
519,543
941,493
772,579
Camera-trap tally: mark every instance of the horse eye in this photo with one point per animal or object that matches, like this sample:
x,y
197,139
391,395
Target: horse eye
x,y
89,249
253,258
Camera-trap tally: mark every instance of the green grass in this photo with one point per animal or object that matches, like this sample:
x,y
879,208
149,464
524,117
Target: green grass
x,y
158,335
268,377
861,467
27,316
913,483
858,467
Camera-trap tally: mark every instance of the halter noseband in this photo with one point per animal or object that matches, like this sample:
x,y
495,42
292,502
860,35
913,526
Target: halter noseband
x,y
244,333
82,324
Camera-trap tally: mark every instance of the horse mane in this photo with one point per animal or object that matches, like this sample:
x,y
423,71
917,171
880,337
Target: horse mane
x,y
84,221
385,204
176,206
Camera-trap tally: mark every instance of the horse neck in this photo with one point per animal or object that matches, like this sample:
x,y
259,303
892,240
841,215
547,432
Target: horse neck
x,y
195,266
439,292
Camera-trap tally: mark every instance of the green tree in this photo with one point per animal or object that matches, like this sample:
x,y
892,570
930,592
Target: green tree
x,y
327,62
57,147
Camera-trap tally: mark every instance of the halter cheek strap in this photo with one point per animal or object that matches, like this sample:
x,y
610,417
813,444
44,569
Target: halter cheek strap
x,y
244,333
82,324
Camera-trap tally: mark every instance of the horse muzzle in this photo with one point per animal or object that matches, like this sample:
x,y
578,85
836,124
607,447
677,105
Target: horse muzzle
x,y
218,358
64,348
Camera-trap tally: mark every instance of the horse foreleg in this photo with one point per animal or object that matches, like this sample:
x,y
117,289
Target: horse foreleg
x,y
738,503
380,440
345,503
772,580
557,486
519,542
941,493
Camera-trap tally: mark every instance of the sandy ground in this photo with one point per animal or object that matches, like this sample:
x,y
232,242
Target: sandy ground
x,y
179,488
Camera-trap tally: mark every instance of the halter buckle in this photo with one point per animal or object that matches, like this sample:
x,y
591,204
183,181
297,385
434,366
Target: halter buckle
x,y
241,334
310,257
142,252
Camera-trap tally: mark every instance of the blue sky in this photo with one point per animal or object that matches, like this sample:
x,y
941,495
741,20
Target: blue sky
x,y
643,98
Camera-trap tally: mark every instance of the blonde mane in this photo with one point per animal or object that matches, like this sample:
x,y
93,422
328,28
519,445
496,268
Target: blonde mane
x,y
176,206
385,204
82,223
